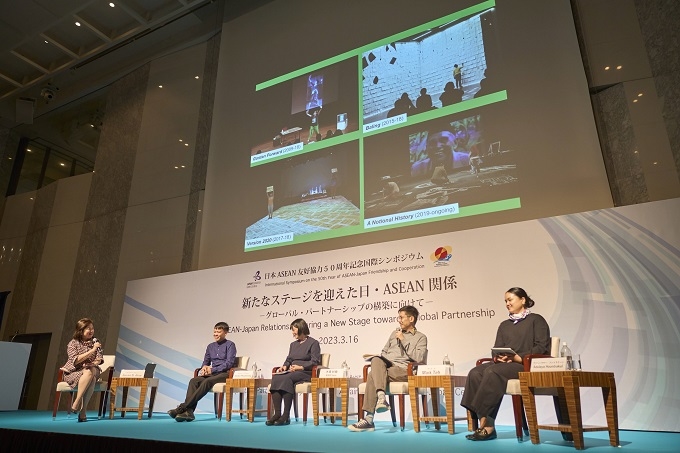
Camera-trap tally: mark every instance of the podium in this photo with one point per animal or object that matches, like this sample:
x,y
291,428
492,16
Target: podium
x,y
14,356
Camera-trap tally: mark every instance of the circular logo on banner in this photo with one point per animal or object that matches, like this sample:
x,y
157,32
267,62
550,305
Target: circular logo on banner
x,y
441,255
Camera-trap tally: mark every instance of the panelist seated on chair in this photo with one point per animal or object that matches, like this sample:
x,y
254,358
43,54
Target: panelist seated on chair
x,y
82,367
405,345
220,356
303,355
525,333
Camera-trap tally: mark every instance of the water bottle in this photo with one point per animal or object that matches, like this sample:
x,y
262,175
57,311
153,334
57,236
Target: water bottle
x,y
344,365
254,368
566,352
446,360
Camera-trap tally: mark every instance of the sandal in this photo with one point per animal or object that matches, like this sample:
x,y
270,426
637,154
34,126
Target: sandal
x,y
77,409
483,434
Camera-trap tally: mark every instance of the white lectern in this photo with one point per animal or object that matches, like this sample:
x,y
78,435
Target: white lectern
x,y
14,357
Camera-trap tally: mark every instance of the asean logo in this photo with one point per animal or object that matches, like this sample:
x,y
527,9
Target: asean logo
x,y
441,255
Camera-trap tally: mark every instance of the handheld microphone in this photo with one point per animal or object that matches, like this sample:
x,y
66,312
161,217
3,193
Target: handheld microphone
x,y
399,341
94,340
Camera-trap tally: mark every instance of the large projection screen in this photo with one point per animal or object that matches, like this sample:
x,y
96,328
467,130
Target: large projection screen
x,y
342,124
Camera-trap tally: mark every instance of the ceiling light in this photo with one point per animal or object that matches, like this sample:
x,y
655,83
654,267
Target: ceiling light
x,y
635,152
176,166
619,67
196,77
186,144
634,100
606,68
29,150
62,164
46,42
160,86
639,94
654,163
180,139
77,24
184,166
112,4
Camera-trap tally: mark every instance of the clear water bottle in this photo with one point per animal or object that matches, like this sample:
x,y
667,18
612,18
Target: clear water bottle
x,y
566,352
254,368
344,365
446,360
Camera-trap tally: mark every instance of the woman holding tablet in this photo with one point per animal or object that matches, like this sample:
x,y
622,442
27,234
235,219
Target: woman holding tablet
x,y
525,333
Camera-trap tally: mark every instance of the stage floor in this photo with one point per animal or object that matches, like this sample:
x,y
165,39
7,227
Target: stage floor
x,y
206,430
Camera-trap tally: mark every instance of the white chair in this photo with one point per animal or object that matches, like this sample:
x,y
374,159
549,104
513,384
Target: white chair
x,y
103,386
219,388
399,389
513,388
304,388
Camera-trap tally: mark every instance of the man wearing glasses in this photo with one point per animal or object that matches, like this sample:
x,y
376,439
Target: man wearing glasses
x,y
405,345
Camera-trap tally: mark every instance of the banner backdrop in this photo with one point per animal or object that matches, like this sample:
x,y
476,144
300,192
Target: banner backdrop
x,y
607,282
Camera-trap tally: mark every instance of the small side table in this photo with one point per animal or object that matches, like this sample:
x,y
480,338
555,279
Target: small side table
x,y
332,383
251,385
435,382
568,385
125,383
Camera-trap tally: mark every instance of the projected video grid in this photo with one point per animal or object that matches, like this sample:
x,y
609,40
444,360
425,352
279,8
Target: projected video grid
x,y
393,134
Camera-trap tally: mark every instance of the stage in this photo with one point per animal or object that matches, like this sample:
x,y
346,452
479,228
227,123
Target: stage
x,y
36,431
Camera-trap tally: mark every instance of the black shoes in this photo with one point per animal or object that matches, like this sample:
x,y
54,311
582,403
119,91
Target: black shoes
x,y
482,434
277,421
186,416
176,411
81,420
272,420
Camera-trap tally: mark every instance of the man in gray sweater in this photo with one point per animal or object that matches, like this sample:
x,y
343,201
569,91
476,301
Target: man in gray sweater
x,y
405,345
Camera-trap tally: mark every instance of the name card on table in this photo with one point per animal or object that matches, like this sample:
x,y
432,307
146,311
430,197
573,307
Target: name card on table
x,y
132,373
435,370
549,364
334,373
244,374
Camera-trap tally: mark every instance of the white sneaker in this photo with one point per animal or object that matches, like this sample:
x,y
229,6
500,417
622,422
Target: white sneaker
x,y
382,405
362,425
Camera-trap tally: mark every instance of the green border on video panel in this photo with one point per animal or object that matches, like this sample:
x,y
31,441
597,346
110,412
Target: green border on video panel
x,y
469,104
359,51
466,211
482,208
360,69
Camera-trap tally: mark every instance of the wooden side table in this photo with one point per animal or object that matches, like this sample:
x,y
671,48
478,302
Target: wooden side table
x,y
435,382
568,384
332,383
251,385
125,383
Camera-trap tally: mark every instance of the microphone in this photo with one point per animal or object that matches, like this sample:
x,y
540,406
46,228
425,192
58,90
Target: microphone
x,y
401,346
94,340
14,336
